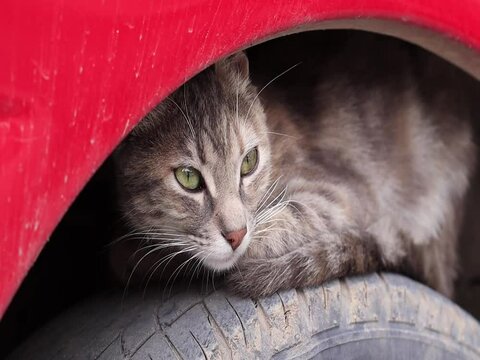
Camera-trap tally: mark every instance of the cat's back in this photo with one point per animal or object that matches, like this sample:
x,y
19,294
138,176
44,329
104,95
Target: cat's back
x,y
395,116
372,97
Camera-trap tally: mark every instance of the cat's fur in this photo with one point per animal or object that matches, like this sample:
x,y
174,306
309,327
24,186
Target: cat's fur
x,y
368,174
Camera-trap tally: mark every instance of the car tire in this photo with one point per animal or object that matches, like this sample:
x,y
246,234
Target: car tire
x,y
378,316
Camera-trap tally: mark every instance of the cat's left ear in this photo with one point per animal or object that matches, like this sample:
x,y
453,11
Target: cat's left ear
x,y
234,64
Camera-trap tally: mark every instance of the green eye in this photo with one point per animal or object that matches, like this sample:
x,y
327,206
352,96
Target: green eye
x,y
249,162
189,178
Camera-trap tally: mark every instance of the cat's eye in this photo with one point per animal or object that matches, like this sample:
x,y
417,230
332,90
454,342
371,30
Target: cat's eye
x,y
249,162
190,178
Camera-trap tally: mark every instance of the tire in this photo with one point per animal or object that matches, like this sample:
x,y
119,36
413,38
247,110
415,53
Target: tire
x,y
379,316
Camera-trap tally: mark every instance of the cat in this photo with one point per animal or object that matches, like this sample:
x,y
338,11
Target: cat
x,y
366,171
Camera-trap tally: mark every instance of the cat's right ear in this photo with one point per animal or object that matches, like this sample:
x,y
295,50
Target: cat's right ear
x,y
236,64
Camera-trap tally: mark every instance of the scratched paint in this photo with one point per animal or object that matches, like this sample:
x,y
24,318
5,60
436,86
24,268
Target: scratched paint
x,y
77,75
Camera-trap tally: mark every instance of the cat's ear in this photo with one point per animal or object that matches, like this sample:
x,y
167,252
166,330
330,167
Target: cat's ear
x,y
236,64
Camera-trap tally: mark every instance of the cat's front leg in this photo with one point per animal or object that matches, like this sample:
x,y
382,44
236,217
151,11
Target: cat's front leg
x,y
313,263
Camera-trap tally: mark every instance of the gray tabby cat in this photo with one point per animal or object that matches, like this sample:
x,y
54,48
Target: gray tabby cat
x,y
370,177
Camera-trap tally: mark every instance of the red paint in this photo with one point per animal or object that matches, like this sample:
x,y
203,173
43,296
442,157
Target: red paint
x,y
76,75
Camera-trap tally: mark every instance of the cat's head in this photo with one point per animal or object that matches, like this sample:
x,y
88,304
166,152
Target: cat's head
x,y
193,173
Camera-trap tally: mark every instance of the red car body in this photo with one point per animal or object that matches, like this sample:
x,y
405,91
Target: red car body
x,y
75,77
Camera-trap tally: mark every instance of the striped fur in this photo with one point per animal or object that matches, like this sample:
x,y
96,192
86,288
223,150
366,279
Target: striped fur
x,y
371,177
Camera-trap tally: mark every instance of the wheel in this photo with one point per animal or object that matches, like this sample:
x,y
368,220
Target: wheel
x,y
379,316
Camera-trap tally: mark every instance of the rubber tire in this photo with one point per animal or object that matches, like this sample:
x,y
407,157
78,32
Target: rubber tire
x,y
379,316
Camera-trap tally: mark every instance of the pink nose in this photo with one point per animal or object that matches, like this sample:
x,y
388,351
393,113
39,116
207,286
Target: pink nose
x,y
235,237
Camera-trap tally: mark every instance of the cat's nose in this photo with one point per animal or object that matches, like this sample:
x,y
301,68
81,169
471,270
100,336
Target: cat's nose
x,y
235,238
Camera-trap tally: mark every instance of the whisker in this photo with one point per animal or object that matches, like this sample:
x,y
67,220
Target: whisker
x,y
133,271
208,270
161,261
280,134
162,246
271,81
185,103
178,270
189,269
267,194
280,195
170,257
236,107
239,271
161,241
197,269
272,220
184,116
121,238
297,209
267,214
133,235
213,279
155,247
273,209
270,228
155,233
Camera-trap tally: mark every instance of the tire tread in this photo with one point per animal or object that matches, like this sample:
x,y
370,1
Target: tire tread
x,y
289,324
